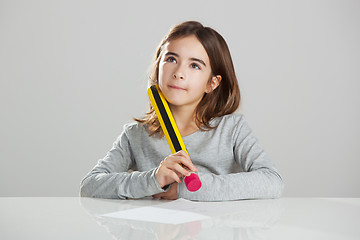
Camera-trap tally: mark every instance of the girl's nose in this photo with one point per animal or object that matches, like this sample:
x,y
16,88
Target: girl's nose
x,y
178,74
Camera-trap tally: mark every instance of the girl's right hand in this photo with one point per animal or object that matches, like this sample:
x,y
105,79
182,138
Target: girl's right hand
x,y
171,171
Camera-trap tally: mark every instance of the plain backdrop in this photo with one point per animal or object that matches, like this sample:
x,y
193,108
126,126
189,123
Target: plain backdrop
x,y
74,72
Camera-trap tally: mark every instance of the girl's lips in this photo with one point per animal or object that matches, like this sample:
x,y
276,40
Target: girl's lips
x,y
176,87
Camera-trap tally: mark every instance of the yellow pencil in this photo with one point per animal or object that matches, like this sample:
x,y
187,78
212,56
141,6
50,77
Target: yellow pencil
x,y
171,131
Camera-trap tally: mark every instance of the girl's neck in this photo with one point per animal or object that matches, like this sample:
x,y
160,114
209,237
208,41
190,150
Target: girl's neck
x,y
185,119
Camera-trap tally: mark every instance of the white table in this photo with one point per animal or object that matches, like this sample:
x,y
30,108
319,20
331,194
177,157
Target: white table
x,y
79,218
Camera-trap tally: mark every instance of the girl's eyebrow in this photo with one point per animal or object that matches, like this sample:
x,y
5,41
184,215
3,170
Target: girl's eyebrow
x,y
192,59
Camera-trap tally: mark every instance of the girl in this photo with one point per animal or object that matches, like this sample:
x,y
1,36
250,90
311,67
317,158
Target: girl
x,y
194,71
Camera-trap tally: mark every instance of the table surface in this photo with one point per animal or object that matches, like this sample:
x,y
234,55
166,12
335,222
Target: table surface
x,y
80,218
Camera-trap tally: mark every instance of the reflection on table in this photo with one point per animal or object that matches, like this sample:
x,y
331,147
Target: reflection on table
x,y
248,219
81,218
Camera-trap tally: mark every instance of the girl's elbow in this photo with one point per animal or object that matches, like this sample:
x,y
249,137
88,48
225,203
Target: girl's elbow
x,y
84,193
85,190
279,188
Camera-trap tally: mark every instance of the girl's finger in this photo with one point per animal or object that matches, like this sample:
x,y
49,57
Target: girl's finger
x,y
185,160
180,164
180,169
171,174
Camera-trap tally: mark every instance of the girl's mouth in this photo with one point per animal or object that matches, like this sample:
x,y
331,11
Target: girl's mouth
x,y
176,87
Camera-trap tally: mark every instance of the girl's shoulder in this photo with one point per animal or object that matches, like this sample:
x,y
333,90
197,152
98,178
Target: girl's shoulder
x,y
229,120
133,126
134,129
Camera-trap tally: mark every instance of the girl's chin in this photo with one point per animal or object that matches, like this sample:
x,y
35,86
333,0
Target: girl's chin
x,y
176,103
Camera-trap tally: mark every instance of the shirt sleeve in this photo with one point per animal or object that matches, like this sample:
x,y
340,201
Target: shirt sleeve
x,y
258,179
111,178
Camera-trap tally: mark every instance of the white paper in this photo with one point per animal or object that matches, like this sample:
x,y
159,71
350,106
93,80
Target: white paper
x,y
162,213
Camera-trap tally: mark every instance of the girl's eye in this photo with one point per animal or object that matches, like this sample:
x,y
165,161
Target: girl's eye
x,y
195,66
171,59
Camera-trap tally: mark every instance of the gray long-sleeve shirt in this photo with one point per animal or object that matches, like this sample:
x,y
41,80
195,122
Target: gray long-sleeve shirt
x,y
231,164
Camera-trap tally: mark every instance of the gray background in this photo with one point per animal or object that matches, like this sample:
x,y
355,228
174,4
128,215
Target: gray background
x,y
73,72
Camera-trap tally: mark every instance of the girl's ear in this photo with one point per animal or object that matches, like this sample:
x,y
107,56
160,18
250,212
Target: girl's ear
x,y
215,82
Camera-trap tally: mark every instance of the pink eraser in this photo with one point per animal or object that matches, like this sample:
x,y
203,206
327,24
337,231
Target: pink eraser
x,y
192,182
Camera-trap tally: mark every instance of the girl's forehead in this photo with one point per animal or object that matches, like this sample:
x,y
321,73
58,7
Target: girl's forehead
x,y
188,47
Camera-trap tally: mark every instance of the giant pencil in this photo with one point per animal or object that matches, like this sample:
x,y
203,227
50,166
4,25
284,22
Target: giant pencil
x,y
171,131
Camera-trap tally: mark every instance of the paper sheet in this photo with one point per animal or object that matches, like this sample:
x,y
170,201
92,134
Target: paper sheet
x,y
170,213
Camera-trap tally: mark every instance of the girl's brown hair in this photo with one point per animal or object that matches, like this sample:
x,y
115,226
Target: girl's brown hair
x,y
225,99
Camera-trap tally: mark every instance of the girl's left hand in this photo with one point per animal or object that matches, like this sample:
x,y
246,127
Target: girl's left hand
x,y
171,194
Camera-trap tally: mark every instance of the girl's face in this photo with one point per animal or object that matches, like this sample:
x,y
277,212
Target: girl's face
x,y
184,71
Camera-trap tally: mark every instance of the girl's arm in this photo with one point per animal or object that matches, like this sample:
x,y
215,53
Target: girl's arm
x,y
110,177
259,178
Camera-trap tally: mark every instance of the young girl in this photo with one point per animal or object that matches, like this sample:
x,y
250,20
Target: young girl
x,y
194,71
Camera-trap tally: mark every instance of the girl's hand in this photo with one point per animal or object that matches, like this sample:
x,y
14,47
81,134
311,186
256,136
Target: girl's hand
x,y
171,171
171,194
